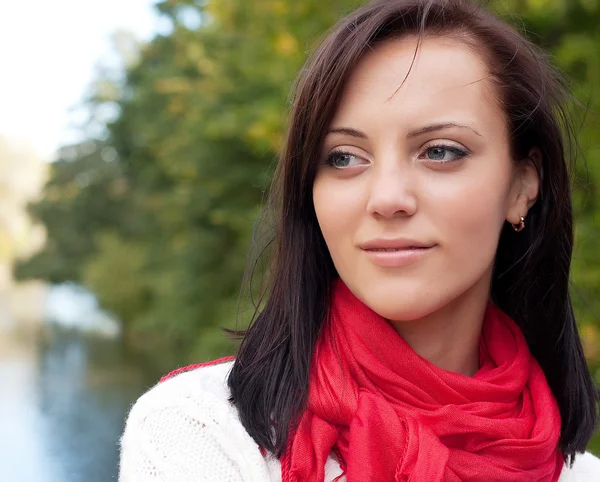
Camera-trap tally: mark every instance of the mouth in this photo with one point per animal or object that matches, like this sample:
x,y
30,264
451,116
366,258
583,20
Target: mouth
x,y
394,244
392,250
403,254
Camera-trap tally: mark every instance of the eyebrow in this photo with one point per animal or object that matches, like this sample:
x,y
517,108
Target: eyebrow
x,y
438,127
410,135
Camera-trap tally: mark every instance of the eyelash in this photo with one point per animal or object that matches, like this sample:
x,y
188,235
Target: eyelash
x,y
336,152
460,153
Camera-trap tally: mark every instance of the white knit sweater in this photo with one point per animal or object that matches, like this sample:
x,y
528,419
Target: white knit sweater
x,y
185,430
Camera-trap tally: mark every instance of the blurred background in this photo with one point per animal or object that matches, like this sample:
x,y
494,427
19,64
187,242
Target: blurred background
x,y
137,140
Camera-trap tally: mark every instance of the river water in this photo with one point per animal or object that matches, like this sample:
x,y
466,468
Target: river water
x,y
63,402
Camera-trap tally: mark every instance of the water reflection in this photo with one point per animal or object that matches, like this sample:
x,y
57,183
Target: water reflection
x,y
62,407
25,455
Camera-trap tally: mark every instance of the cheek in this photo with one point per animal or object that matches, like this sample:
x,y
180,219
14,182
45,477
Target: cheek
x,y
471,216
338,206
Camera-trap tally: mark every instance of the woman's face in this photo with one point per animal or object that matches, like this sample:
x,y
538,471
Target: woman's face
x,y
416,182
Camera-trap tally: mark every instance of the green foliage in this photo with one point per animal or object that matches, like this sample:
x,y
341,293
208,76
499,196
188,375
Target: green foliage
x,y
86,193
574,37
160,233
202,117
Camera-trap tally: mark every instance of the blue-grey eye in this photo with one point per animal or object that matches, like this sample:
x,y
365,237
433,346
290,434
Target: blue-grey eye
x,y
444,153
342,159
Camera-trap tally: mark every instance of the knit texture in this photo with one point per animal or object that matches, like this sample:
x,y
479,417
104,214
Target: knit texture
x,y
185,430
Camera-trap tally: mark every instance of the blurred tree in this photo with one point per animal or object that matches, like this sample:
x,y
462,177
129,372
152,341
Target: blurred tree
x,y
201,118
85,193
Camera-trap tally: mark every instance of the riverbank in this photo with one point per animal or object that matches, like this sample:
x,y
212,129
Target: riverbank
x,y
66,391
64,401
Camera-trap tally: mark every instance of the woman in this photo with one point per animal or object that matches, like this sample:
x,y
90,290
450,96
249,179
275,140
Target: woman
x,y
417,324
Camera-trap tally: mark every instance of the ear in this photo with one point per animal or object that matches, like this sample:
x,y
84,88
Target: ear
x,y
525,186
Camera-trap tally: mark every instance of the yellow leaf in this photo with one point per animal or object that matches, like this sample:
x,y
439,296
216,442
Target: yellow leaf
x,y
589,338
286,44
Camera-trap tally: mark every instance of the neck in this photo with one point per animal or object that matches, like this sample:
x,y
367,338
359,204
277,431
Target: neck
x,y
449,338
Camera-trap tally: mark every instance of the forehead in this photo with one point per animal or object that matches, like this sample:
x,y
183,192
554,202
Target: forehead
x,y
447,79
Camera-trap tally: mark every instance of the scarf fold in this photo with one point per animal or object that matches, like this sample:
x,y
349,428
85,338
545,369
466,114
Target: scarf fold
x,y
391,415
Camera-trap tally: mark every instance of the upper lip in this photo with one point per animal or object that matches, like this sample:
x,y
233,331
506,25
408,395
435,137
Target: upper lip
x,y
396,243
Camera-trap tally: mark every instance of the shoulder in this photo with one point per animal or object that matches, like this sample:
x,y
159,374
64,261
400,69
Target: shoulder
x,y
586,468
186,395
185,428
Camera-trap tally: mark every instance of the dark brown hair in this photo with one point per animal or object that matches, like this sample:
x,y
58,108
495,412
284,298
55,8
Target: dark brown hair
x,y
269,379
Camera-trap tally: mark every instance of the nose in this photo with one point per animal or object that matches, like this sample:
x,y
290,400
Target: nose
x,y
392,191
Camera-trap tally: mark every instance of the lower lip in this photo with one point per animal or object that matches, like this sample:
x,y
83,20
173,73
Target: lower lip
x,y
394,259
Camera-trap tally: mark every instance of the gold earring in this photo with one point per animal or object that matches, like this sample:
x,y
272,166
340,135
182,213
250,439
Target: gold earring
x,y
519,227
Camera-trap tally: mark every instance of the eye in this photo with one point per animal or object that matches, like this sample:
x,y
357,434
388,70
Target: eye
x,y
444,153
343,160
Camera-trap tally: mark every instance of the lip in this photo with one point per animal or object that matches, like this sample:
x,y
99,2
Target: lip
x,y
396,243
395,253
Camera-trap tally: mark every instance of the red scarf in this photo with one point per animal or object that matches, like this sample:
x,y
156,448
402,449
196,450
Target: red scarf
x,y
390,415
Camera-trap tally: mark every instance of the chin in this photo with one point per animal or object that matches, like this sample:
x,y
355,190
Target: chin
x,y
397,302
400,311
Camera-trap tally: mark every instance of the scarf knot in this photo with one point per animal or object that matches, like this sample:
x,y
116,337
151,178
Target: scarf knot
x,y
392,416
